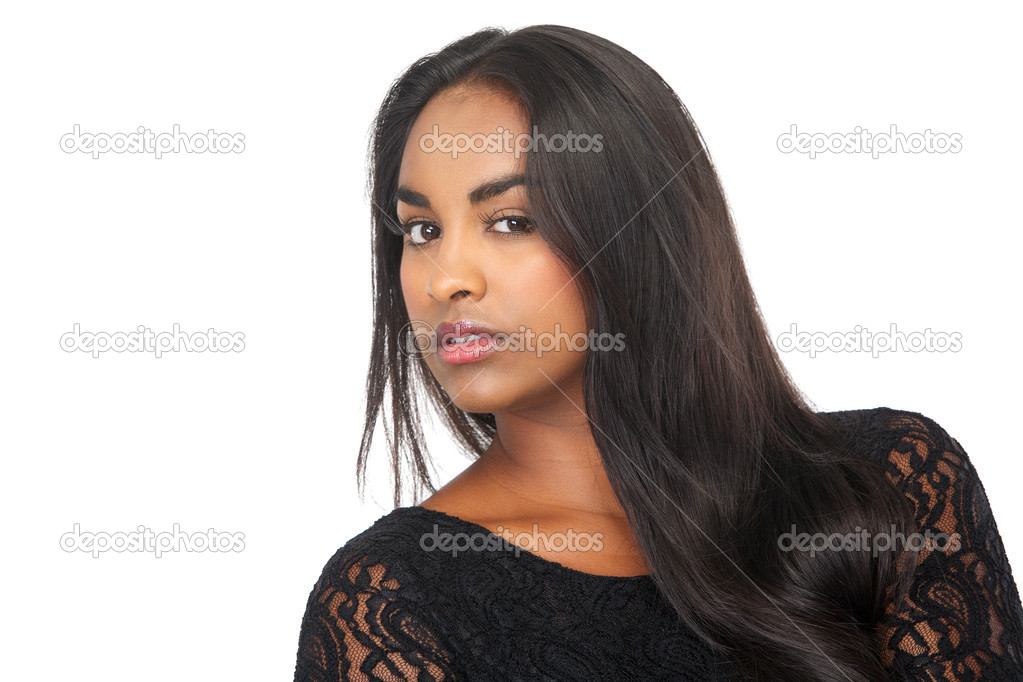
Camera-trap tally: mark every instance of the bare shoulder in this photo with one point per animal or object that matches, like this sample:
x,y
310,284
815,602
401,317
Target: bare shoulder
x,y
465,495
589,543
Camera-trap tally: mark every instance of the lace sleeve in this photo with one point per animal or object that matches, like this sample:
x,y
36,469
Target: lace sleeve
x,y
961,618
357,626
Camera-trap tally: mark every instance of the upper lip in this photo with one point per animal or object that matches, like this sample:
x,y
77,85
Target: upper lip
x,y
460,328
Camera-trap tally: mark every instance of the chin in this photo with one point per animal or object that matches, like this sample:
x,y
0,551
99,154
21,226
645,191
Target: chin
x,y
480,404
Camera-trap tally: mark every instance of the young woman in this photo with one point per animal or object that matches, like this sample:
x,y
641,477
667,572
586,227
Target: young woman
x,y
649,503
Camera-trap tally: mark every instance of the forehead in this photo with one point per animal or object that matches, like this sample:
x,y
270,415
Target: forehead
x,y
459,112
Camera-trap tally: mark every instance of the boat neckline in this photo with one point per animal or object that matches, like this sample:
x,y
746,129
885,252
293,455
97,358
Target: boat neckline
x,y
523,552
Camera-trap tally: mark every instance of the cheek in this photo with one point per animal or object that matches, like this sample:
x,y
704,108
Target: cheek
x,y
409,284
542,273
550,286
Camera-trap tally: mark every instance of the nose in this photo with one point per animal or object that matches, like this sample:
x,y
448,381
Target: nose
x,y
456,270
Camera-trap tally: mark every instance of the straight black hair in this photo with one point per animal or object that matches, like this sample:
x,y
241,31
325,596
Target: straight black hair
x,y
710,448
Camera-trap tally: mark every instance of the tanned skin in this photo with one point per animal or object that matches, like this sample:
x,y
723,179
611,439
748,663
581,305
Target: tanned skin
x,y
543,466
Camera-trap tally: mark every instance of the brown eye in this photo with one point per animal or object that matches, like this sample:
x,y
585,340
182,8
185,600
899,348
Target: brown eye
x,y
420,233
516,225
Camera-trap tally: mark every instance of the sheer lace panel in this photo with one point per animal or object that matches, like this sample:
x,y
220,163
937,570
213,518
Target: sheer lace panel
x,y
384,608
357,627
961,617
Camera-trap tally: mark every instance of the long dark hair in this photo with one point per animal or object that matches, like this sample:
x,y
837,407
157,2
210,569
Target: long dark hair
x,y
710,448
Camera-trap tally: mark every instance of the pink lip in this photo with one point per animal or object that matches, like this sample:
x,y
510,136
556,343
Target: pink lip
x,y
465,351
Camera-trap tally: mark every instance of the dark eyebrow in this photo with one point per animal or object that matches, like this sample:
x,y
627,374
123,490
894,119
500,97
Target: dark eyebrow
x,y
485,192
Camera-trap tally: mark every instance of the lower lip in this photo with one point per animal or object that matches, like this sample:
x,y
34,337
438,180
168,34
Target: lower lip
x,y
466,351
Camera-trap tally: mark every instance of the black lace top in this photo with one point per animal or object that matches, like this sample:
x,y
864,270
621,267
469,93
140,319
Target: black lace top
x,y
385,609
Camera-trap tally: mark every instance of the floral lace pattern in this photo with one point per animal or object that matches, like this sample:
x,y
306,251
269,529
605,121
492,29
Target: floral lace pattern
x,y
385,608
961,619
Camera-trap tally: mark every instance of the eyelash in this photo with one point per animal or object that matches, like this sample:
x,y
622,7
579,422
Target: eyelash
x,y
488,220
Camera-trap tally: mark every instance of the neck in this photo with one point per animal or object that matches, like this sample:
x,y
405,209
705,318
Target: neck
x,y
549,460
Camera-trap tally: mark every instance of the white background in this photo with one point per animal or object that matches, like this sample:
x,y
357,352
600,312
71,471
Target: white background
x,y
273,242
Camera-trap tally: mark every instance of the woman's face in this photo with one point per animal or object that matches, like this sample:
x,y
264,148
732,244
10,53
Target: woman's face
x,y
472,253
